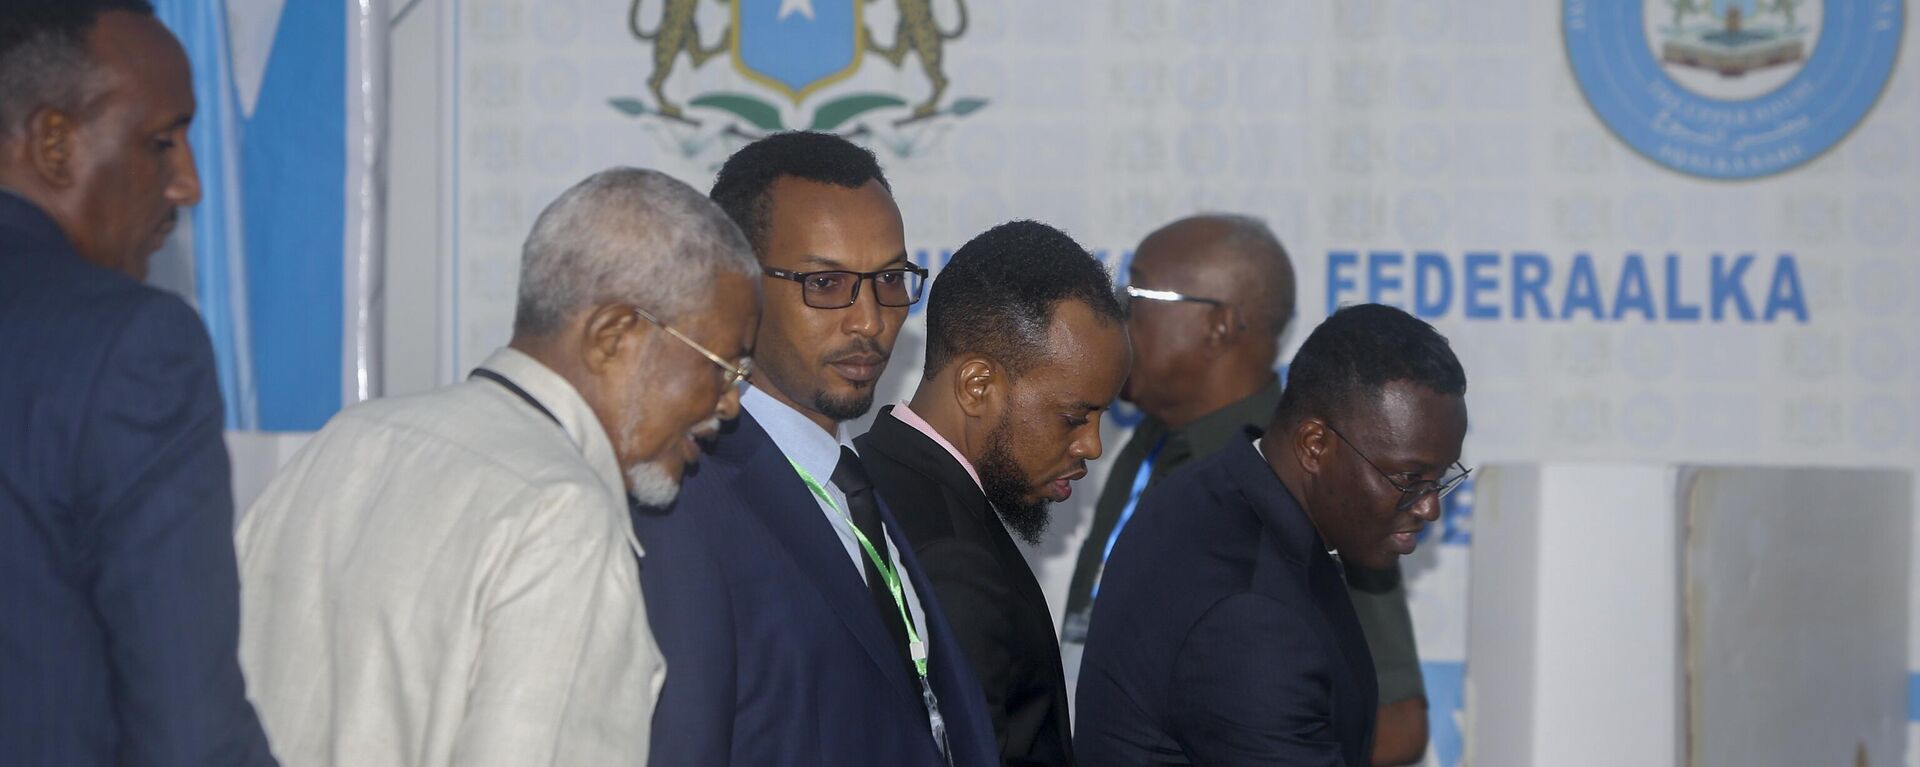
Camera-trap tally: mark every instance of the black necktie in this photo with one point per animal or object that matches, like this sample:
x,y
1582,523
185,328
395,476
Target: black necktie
x,y
851,477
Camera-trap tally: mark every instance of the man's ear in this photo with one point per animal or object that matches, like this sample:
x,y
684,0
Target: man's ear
x,y
603,334
1224,326
1311,443
977,386
52,137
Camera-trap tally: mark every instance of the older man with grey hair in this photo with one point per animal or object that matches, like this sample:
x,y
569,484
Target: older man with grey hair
x,y
451,578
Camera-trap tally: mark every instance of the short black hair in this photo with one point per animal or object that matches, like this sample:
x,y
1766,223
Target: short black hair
x,y
823,158
43,53
996,297
1348,360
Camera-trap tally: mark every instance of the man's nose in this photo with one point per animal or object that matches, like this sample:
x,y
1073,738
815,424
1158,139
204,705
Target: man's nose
x,y
1427,508
1087,448
184,190
864,317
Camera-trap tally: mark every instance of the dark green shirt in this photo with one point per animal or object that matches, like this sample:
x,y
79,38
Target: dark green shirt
x,y
1379,598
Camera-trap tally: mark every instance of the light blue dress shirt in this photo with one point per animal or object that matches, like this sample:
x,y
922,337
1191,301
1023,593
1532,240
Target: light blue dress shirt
x,y
805,443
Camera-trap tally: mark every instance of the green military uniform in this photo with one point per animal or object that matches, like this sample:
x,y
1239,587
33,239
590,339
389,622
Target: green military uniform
x,y
1379,597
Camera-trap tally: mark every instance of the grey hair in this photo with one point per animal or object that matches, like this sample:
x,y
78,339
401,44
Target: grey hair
x,y
44,59
46,71
1254,245
626,235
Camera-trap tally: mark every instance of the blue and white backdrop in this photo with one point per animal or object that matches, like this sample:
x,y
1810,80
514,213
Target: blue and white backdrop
x,y
1670,232
282,256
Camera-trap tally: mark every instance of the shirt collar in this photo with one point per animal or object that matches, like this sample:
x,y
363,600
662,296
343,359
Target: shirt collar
x,y
1221,428
910,418
802,440
568,407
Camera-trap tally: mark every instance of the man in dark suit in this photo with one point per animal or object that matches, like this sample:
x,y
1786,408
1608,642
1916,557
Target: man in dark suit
x,y
1208,299
1224,634
120,621
1026,346
797,625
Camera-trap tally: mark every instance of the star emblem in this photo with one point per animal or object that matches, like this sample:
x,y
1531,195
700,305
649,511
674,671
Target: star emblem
x,y
790,7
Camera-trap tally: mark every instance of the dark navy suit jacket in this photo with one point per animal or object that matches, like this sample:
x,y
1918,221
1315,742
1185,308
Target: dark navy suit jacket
x,y
775,653
1223,634
119,600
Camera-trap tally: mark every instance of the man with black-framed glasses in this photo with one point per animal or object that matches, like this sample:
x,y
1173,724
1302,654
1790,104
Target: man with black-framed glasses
x,y
1210,297
1224,632
798,625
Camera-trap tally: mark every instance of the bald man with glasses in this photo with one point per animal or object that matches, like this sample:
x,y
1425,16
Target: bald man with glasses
x,y
1211,296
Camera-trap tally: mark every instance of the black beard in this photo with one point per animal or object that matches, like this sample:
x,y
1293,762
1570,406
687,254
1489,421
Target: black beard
x,y
845,408
1006,487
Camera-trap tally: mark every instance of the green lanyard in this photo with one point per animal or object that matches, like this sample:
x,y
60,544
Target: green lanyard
x,y
915,647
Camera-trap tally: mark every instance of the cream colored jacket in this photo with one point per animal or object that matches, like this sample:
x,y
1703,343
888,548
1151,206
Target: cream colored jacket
x,y
450,579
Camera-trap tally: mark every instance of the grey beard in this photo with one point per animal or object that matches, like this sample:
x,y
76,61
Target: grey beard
x,y
648,483
651,485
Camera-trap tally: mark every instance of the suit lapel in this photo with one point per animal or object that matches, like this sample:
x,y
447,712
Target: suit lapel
x,y
962,701
776,495
916,451
1297,548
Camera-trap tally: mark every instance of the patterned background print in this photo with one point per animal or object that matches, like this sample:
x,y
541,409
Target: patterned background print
x,y
1447,156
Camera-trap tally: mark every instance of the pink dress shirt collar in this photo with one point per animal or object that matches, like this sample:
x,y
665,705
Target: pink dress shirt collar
x,y
910,418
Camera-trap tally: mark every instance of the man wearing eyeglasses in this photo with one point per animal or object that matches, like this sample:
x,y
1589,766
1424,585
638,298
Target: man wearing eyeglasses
x,y
1224,634
451,578
797,624
1210,297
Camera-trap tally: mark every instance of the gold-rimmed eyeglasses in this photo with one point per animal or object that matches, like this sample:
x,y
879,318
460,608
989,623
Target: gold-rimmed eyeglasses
x,y
735,372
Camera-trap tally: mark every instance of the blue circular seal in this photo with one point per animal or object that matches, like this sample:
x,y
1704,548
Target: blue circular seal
x,y
1678,89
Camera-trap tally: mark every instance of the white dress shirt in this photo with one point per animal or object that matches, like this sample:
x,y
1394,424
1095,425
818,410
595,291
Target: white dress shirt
x,y
805,443
450,579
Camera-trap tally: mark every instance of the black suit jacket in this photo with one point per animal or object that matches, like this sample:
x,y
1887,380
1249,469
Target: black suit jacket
x,y
775,653
997,609
119,598
1223,634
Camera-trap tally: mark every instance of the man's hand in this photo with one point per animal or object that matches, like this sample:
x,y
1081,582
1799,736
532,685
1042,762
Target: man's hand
x,y
1400,736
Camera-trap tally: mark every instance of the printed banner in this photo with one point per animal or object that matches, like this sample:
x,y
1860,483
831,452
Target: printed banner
x,y
1656,231
1668,231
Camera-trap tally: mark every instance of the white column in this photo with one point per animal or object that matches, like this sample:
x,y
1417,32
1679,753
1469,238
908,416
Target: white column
x,y
416,342
1574,642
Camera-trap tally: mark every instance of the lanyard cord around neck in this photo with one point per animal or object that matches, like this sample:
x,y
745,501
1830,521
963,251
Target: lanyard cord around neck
x,y
1140,479
515,389
915,647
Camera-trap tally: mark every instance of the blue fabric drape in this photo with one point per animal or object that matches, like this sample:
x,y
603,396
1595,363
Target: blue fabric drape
x,y
218,224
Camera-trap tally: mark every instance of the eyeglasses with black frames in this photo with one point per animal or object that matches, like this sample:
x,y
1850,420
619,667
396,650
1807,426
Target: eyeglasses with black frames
x,y
735,372
897,286
1411,493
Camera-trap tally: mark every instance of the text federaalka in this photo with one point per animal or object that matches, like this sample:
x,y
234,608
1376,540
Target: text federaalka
x,y
1530,286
